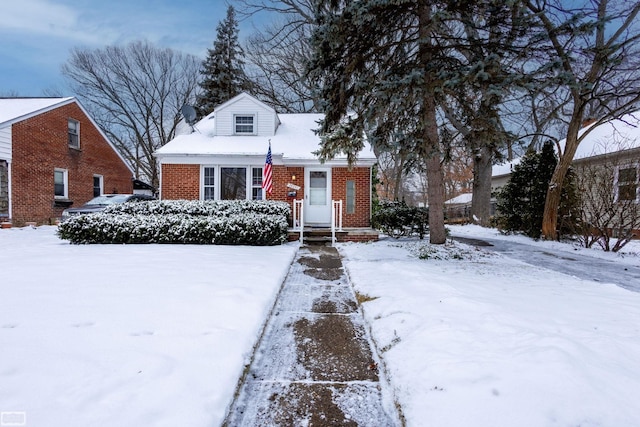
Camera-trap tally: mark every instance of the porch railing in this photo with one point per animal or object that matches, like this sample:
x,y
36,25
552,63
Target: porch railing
x,y
336,218
298,217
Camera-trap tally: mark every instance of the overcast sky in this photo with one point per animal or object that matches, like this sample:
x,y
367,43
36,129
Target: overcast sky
x,y
37,35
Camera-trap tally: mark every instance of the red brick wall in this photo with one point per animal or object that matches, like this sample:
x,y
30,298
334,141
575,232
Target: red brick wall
x,y
283,175
180,182
40,144
361,176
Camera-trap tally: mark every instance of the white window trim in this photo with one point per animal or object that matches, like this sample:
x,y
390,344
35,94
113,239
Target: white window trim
x,y
216,177
255,124
218,181
101,183
252,185
616,181
65,178
78,132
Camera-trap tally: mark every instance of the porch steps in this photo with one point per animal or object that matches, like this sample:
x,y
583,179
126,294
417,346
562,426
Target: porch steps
x,y
322,235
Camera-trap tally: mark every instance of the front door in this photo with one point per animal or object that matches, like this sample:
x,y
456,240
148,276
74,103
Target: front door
x,y
317,199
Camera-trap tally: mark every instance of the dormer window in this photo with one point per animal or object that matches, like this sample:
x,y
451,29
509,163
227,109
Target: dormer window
x,y
244,124
74,133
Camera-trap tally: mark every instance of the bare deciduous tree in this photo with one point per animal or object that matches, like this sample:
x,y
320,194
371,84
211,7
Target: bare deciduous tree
x,y
609,205
278,53
135,93
594,59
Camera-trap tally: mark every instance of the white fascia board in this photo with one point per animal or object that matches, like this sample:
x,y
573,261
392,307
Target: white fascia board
x,y
216,159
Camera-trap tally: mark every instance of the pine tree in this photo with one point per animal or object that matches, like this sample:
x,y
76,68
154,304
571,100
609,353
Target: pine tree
x,y
521,201
376,64
223,70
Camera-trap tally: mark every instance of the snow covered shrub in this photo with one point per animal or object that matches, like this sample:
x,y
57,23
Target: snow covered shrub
x,y
182,222
202,207
396,219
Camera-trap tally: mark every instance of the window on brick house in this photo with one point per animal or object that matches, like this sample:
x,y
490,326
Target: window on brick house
x,y
244,124
627,183
74,133
208,185
351,197
233,183
60,184
97,185
256,184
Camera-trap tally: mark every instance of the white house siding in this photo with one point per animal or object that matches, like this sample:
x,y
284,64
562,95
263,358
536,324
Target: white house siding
x,y
264,116
5,143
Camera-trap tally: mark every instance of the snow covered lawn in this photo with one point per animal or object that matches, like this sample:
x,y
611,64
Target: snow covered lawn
x,y
157,335
135,335
489,341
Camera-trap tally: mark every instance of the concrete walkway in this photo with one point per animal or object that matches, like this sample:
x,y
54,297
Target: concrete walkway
x,y
314,365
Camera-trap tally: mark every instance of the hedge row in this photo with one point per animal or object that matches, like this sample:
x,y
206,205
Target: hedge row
x,y
201,207
233,222
246,229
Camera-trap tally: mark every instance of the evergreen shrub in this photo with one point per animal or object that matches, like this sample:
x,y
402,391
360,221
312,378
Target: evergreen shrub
x,y
397,219
520,203
242,222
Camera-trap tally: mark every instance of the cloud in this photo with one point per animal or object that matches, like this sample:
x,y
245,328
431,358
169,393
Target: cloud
x,y
44,18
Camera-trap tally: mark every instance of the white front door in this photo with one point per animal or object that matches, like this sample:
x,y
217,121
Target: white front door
x,y
317,199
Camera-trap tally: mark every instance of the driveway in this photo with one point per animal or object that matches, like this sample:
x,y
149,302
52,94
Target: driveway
x,y
584,267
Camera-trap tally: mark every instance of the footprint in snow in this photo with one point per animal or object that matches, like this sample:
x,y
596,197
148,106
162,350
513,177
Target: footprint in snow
x,y
142,334
83,324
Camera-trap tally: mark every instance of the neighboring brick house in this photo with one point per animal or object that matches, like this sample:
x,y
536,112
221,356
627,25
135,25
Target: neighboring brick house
x,y
52,156
224,156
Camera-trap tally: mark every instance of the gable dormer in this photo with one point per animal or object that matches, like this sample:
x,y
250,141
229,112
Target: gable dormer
x,y
245,115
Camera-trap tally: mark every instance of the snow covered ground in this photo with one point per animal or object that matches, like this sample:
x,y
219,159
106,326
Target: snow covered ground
x,y
157,335
135,335
479,339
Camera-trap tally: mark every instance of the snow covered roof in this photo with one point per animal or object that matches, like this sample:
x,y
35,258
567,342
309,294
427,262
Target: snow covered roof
x,y
610,137
504,168
461,199
17,109
294,139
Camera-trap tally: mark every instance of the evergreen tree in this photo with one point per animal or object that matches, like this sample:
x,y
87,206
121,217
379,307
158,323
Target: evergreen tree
x,y
521,201
381,60
223,70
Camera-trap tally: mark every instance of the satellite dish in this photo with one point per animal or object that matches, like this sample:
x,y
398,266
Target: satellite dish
x,y
189,113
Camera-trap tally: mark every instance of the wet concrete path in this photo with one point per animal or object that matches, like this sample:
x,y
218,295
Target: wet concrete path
x,y
314,365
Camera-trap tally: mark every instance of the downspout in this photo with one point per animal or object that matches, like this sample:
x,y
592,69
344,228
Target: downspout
x,y
9,189
370,193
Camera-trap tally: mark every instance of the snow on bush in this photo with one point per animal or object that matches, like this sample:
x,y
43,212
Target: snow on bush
x,y
397,219
199,222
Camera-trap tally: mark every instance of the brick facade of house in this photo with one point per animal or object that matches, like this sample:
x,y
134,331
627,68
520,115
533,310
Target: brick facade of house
x,y
40,144
182,181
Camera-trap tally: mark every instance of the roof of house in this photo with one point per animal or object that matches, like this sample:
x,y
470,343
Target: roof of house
x,y
460,199
610,137
16,109
294,139
13,110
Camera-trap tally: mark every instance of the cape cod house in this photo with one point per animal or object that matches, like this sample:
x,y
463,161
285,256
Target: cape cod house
x,y
223,156
53,155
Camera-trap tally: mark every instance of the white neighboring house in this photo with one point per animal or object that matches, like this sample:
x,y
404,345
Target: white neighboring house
x,y
617,139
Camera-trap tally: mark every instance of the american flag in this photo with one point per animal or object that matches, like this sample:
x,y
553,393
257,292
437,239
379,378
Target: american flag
x,y
267,183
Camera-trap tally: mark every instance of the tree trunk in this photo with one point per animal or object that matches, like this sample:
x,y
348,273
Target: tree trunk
x,y
552,201
431,140
481,198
